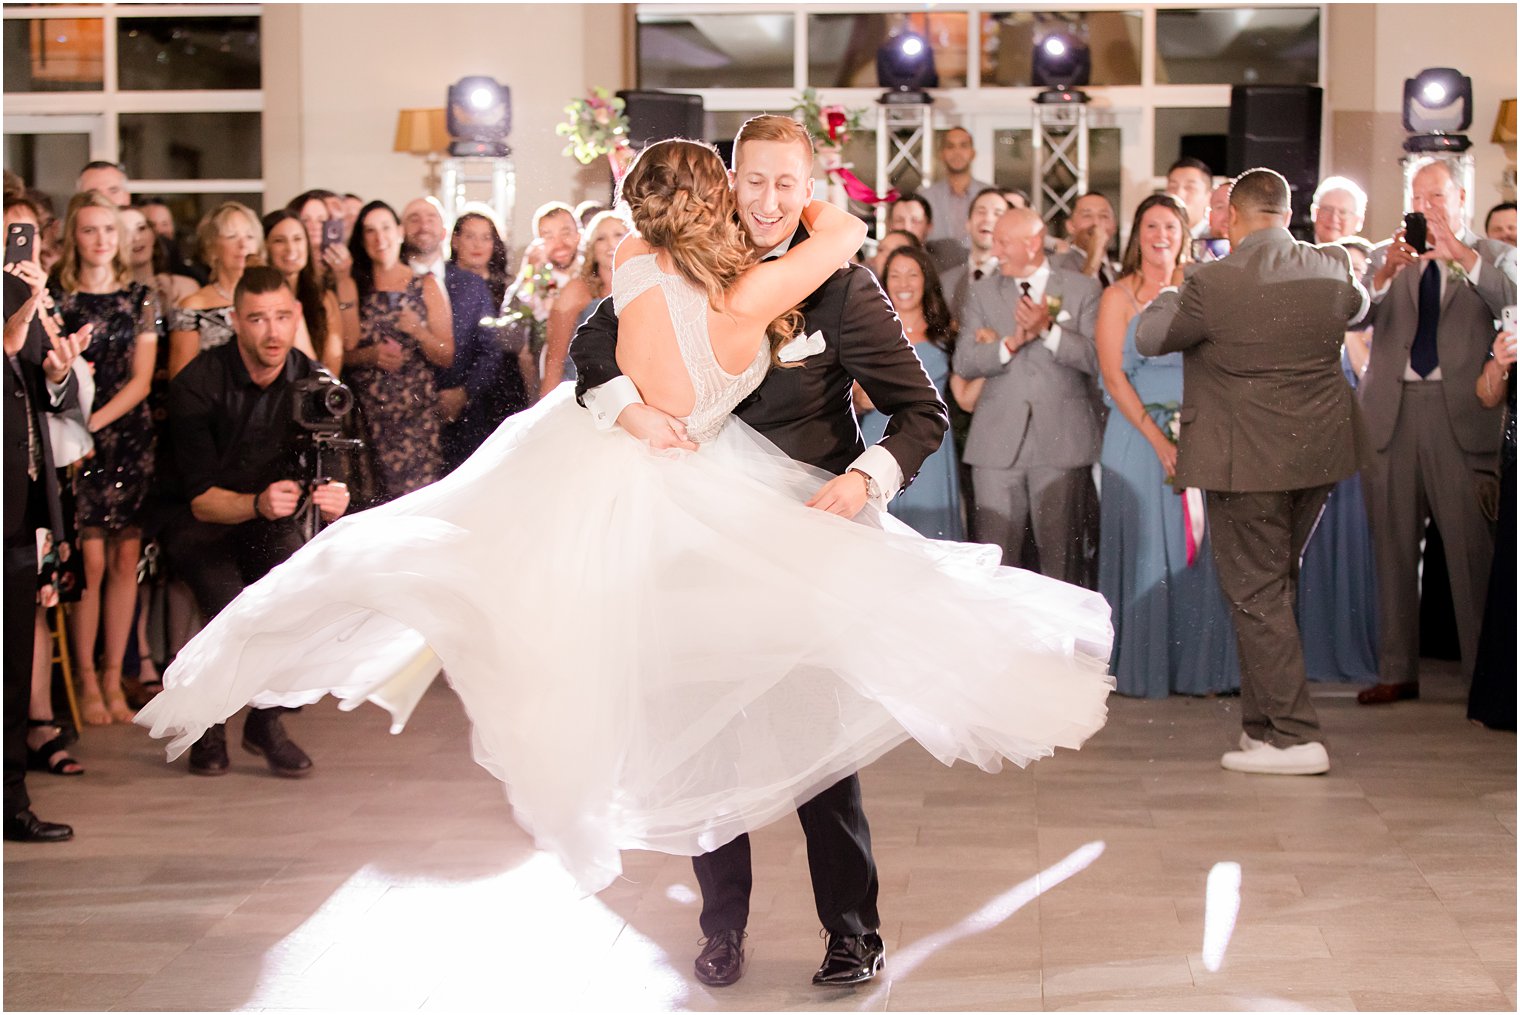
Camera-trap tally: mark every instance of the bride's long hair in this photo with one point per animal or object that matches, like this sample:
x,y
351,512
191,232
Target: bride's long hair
x,y
679,197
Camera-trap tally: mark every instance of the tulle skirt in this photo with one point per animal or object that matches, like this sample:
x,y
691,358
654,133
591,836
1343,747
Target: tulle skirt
x,y
655,651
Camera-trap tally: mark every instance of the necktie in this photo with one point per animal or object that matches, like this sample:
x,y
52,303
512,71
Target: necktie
x,y
976,276
1422,353
1024,289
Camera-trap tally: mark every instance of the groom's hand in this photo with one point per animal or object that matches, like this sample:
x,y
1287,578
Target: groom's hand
x,y
660,430
843,495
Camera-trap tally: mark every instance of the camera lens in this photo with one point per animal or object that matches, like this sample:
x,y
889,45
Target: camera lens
x,y
338,400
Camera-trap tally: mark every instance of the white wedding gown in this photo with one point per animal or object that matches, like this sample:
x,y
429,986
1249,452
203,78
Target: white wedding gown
x,y
657,651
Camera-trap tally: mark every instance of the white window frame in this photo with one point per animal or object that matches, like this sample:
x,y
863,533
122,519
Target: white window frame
x,y
986,110
110,101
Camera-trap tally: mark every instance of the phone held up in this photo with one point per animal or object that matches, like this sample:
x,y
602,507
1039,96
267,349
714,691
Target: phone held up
x,y
1507,322
1415,232
19,240
332,233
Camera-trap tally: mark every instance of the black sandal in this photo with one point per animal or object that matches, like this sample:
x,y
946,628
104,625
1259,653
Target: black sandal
x,y
40,759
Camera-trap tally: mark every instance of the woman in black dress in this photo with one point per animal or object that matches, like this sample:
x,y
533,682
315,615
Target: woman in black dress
x,y
1491,702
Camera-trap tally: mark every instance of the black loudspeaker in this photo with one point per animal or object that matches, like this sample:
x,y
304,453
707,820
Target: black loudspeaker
x,y
656,116
1277,127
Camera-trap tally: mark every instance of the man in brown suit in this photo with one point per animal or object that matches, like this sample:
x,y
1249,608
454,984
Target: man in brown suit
x,y
1269,424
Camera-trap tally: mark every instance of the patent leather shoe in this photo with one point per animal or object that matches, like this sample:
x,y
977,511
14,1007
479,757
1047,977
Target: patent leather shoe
x,y
27,827
208,755
264,734
1383,694
851,959
722,960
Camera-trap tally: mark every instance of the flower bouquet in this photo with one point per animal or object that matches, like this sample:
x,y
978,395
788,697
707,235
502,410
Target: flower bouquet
x,y
597,126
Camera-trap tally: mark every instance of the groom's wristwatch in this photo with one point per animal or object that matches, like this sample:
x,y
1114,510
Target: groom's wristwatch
x,y
873,492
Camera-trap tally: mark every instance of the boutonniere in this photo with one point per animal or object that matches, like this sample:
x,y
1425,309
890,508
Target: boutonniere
x,y
1053,307
1455,272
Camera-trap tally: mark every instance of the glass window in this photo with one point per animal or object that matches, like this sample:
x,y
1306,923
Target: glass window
x,y
54,55
192,146
842,47
187,53
715,50
1013,166
1009,38
1238,46
48,162
1202,133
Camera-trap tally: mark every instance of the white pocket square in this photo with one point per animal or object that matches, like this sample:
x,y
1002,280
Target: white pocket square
x,y
1063,317
801,347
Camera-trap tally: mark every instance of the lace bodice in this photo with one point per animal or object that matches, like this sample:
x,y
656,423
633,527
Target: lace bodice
x,y
717,390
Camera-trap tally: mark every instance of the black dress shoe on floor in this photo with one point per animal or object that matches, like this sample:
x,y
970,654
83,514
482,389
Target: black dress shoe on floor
x,y
208,755
722,960
1383,694
851,959
27,827
264,734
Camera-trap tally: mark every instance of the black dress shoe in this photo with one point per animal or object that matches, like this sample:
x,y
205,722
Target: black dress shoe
x,y
851,959
27,827
208,755
1383,694
264,734
722,960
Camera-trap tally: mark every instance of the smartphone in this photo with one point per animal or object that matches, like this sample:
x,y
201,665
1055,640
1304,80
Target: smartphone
x,y
1507,319
1414,232
20,238
332,233
1210,249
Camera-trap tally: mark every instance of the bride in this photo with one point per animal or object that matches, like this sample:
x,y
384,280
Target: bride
x,y
661,651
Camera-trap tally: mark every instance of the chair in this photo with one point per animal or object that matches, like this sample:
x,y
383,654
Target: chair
x,y
61,658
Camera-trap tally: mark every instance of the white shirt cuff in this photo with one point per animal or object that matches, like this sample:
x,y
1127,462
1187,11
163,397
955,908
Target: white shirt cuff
x,y
878,463
1052,339
607,401
1472,276
56,391
1004,356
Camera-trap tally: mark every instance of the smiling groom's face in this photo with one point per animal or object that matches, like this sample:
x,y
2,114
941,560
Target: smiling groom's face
x,y
773,182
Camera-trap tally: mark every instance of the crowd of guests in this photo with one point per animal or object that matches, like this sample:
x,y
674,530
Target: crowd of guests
x,y
1062,453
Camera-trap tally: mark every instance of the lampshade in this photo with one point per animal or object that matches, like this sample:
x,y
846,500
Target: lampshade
x,y
1504,127
421,131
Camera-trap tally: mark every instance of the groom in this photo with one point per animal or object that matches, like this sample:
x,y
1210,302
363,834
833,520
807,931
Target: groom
x,y
806,411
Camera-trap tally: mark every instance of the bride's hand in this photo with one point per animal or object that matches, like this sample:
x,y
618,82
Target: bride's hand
x,y
660,430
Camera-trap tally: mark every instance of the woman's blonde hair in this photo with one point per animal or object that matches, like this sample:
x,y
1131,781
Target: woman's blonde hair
x,y
68,263
210,230
678,195
590,273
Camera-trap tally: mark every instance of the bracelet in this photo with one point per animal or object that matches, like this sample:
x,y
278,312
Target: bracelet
x,y
256,512
345,306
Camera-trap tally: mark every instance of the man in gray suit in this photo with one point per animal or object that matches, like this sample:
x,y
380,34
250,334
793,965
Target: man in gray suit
x,y
1269,424
1437,447
1029,330
986,208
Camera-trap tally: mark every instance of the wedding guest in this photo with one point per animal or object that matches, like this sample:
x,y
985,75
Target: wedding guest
x,y
893,240
161,219
1491,701
1339,209
911,214
230,239
477,247
1034,437
312,209
986,208
588,210
1499,223
95,287
108,178
322,320
932,504
1090,229
349,206
1016,197
590,285
60,578
1191,181
467,385
1172,629
160,216
404,331
556,242
148,259
950,198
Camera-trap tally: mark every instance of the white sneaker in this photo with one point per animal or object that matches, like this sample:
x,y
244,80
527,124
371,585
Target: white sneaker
x,y
1248,744
1300,759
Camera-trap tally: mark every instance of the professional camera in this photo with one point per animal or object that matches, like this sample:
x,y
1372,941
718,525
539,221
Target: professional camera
x,y
320,402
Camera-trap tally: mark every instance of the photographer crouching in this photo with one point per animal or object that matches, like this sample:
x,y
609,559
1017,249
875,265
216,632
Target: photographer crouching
x,y
236,415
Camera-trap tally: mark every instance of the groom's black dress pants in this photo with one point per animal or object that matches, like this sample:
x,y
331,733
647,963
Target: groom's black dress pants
x,y
839,859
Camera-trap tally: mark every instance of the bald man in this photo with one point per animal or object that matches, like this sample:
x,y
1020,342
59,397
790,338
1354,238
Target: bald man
x,y
1028,329
109,179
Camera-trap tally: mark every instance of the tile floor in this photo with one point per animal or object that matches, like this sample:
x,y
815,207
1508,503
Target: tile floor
x,y
395,879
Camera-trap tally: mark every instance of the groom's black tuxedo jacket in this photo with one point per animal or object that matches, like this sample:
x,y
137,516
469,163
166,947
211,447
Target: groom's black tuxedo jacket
x,y
806,410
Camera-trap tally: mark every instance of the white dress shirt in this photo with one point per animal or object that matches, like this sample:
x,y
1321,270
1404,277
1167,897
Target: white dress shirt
x,y
1037,283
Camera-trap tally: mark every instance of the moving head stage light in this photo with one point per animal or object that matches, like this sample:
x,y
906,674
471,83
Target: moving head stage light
x,y
905,67
1437,106
480,117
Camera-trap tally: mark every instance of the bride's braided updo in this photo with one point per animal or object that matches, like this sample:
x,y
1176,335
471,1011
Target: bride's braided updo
x,y
679,198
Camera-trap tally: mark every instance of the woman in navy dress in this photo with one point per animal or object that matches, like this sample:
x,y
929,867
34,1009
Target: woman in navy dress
x,y
1172,630
931,506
